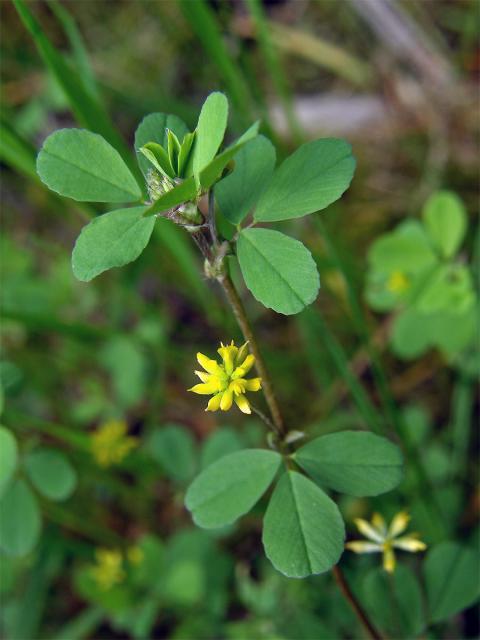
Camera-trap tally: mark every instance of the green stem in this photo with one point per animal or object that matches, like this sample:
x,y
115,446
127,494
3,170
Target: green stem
x,y
239,312
355,604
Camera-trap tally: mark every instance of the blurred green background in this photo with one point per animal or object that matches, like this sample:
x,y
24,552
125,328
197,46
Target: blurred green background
x,y
115,555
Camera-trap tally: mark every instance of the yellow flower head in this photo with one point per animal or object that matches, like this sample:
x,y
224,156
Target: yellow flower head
x,y
385,539
135,555
226,382
110,443
108,570
398,282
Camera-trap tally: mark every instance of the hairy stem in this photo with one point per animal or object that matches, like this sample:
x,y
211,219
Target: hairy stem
x,y
355,604
241,317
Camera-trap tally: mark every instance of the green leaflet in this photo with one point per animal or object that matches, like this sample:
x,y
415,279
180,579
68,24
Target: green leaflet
x,y
172,446
82,165
445,220
448,288
394,602
407,248
303,531
158,157
279,271
231,486
19,519
451,575
214,169
51,474
354,462
153,128
211,126
238,193
8,458
309,180
111,240
414,332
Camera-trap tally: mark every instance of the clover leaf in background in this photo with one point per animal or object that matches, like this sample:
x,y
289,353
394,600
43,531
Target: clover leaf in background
x,y
8,458
445,221
50,473
414,270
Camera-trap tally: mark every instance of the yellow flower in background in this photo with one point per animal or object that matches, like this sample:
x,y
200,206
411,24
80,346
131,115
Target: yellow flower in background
x,y
135,555
226,382
398,282
108,570
385,540
110,443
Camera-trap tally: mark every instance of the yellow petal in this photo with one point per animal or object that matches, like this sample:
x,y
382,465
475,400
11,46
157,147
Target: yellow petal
x,y
409,543
359,546
226,401
248,363
206,388
243,404
379,523
254,384
209,365
368,531
228,356
214,403
398,524
242,354
389,561
204,377
237,386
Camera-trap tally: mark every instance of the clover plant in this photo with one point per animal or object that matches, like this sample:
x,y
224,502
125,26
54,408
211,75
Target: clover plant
x,y
190,180
418,272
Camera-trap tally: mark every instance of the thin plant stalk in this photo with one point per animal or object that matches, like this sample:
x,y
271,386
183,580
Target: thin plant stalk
x,y
223,278
354,604
239,312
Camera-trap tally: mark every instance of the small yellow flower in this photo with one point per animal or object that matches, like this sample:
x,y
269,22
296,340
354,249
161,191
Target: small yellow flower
x,y
108,570
398,282
385,540
110,443
226,382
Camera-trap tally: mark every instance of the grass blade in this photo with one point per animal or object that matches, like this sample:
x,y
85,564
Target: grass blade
x,y
274,67
86,108
79,52
317,326
202,20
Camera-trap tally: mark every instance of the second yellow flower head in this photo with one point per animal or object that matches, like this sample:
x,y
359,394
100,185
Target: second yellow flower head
x,y
226,382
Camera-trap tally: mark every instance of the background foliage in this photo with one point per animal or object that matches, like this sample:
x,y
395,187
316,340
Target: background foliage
x,y
101,438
